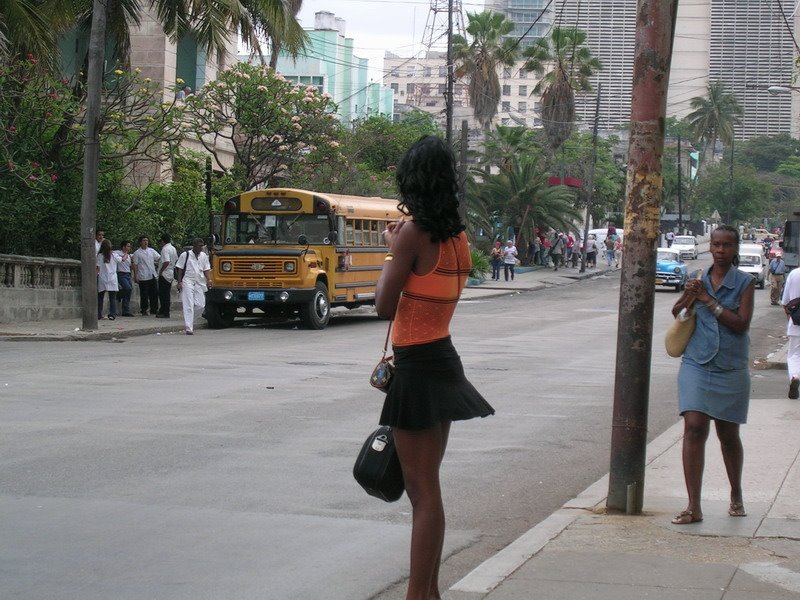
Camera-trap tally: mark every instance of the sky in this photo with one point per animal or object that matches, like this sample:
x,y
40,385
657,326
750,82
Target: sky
x,y
378,25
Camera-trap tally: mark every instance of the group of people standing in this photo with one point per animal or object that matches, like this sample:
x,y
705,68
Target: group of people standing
x,y
154,272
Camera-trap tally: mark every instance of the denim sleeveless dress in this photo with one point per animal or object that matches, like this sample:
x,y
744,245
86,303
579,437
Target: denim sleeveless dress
x,y
714,377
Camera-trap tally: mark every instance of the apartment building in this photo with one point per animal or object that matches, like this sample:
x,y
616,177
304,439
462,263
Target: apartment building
x,y
746,45
422,82
330,64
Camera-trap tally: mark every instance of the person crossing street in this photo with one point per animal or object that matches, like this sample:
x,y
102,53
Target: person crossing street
x,y
193,273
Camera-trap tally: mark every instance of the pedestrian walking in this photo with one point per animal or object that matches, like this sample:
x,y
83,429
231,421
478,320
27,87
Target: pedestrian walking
x,y
670,237
557,250
618,252
714,376
591,251
609,248
166,275
791,291
777,271
193,274
145,275
422,279
107,263
124,278
509,259
496,257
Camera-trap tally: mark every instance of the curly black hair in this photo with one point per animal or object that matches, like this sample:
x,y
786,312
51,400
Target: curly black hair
x,y
428,183
735,232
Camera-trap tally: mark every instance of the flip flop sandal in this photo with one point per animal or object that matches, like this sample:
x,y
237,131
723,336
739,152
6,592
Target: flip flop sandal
x,y
686,517
737,510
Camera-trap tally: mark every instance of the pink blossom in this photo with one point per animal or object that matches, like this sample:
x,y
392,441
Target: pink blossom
x,y
32,178
35,164
53,177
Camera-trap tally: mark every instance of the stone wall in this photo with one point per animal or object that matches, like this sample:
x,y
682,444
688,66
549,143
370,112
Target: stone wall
x,y
34,288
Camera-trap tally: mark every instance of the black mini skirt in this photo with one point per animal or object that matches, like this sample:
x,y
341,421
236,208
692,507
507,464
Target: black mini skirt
x,y
429,387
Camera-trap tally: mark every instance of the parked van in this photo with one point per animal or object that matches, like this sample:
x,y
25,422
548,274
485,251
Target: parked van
x,y
752,261
686,245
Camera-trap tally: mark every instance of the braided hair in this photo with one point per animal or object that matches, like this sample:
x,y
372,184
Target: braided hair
x,y
428,183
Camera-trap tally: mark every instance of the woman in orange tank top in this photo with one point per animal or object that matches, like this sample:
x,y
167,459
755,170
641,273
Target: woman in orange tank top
x,y
425,270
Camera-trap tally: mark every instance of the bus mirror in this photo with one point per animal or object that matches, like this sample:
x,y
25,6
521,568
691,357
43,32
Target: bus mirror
x,y
333,237
302,240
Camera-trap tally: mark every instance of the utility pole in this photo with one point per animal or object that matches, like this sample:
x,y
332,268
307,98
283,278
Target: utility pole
x,y
729,216
655,29
450,73
680,189
590,187
462,173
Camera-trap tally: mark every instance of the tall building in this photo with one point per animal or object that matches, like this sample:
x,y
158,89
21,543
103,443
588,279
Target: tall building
x,y
744,44
330,64
532,18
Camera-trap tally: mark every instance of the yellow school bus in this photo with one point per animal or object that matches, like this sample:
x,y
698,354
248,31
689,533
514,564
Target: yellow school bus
x,y
291,252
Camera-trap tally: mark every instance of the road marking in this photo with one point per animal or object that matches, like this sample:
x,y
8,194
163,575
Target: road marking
x,y
775,574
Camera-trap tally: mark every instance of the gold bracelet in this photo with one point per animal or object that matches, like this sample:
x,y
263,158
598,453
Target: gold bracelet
x,y
389,256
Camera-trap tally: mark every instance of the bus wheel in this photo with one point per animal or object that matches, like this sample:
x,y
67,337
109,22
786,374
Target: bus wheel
x,y
316,313
219,317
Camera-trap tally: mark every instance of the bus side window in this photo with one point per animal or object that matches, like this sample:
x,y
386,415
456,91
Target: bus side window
x,y
373,233
358,225
381,229
350,234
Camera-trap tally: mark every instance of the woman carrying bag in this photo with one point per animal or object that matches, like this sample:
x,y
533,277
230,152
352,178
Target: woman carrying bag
x,y
425,270
714,376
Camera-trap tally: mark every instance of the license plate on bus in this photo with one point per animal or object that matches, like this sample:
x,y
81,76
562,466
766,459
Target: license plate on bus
x,y
255,296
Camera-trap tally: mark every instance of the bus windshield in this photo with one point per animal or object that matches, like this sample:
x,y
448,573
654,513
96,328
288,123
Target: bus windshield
x,y
276,229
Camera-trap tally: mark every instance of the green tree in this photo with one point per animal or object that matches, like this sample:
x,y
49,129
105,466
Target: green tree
x,y
503,145
276,128
32,28
567,65
480,58
745,198
767,152
714,117
521,197
379,143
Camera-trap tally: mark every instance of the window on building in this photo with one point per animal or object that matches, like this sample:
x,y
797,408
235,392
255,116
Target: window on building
x,y
523,74
395,87
430,103
186,61
505,121
506,90
522,107
523,90
426,89
442,89
505,106
506,72
409,88
442,70
426,72
410,71
395,72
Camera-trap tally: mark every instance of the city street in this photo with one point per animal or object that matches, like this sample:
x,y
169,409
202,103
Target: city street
x,y
219,465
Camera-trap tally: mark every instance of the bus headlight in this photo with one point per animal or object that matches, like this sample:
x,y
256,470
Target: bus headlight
x,y
228,295
226,267
288,266
284,296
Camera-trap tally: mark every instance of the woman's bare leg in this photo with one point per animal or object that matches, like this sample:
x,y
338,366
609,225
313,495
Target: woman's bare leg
x,y
420,454
733,455
435,594
696,426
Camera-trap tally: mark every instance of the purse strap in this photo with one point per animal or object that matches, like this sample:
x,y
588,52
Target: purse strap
x,y
386,342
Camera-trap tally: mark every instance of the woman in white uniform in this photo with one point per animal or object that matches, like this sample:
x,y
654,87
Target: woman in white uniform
x,y
107,263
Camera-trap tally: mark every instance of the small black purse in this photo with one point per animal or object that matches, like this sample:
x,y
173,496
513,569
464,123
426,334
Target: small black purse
x,y
383,372
377,467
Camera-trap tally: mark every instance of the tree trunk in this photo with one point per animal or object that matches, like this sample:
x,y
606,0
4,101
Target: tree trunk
x,y
91,165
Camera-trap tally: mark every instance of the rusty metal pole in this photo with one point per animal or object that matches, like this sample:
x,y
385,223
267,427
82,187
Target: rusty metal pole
x,y
655,27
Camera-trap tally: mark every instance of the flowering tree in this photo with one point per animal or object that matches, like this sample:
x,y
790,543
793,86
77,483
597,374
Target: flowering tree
x,y
42,121
275,128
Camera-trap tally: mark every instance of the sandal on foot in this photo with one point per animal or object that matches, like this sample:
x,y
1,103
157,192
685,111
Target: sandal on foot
x,y
737,510
686,517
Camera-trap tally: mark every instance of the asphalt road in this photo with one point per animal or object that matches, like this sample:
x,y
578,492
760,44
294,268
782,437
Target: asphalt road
x,y
219,465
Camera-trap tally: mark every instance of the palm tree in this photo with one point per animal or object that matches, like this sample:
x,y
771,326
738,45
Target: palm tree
x,y
522,196
571,65
714,118
481,58
28,27
505,144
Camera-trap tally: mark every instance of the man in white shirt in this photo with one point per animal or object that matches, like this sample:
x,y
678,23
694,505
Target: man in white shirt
x,y
165,275
124,277
144,273
194,279
791,290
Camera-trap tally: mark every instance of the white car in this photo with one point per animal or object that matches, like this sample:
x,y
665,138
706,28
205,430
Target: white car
x,y
686,245
755,264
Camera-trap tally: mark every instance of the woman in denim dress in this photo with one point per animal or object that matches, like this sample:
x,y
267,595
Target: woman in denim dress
x,y
714,377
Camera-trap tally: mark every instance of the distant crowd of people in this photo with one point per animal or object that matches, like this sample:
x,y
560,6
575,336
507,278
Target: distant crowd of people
x,y
557,249
154,273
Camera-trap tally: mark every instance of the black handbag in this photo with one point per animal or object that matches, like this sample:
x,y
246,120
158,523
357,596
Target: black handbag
x,y
383,372
793,308
377,467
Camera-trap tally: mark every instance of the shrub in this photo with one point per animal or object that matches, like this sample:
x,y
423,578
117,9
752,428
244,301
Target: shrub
x,y
480,265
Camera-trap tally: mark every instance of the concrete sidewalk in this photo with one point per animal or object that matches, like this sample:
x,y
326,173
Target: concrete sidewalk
x,y
528,279
580,552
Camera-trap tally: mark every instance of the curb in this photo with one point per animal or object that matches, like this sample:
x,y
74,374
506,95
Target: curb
x,y
90,336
